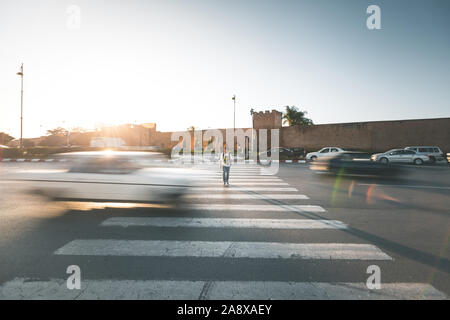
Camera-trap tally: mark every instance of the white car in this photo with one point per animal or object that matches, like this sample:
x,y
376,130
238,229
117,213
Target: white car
x,y
434,153
110,177
400,156
324,152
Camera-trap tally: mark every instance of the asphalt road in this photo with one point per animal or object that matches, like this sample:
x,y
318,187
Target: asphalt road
x,y
300,235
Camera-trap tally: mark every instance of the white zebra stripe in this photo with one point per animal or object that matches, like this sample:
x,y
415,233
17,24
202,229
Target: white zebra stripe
x,y
255,179
243,196
217,184
232,188
223,223
223,249
56,289
240,176
256,207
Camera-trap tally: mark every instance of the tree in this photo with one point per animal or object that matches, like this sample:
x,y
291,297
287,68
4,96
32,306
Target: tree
x,y
295,117
57,132
55,137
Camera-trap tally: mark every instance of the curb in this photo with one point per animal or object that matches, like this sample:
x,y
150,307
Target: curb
x,y
293,161
32,160
289,161
157,160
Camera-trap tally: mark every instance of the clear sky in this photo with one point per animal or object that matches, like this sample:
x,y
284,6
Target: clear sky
x,y
178,63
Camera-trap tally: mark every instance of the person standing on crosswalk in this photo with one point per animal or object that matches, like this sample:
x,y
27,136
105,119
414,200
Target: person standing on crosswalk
x,y
225,163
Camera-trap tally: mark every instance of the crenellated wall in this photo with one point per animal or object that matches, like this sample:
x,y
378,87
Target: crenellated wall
x,y
370,136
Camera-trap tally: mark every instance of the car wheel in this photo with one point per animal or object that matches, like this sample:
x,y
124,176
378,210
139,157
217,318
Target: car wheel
x,y
313,158
384,160
418,161
432,160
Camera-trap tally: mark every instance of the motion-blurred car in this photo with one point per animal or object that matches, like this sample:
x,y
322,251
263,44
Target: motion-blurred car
x,y
111,177
400,156
434,153
324,152
353,162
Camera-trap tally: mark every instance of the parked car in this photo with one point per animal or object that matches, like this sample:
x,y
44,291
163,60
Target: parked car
x,y
433,152
298,152
355,163
283,153
312,156
400,156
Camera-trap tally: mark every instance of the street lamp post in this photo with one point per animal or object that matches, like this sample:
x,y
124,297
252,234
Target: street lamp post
x,y
21,105
234,113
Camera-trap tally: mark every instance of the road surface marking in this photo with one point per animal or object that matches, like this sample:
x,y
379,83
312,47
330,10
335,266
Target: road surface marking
x,y
217,184
56,289
258,179
224,223
219,175
256,207
223,249
236,188
403,186
242,196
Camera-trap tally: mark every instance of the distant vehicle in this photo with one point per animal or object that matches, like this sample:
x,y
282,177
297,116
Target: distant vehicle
x,y
400,156
110,177
282,152
324,152
353,162
433,152
297,152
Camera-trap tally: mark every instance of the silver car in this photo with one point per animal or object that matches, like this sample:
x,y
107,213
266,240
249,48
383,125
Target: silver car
x,y
432,152
400,156
324,152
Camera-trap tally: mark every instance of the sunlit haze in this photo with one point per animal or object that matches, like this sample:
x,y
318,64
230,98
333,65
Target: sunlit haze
x,y
178,63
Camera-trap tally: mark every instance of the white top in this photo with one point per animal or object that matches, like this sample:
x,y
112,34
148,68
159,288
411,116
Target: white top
x,y
225,159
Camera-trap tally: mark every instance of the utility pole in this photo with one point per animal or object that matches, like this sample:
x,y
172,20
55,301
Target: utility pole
x,y
21,106
234,113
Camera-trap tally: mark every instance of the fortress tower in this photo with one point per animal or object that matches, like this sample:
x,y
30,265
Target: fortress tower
x,y
267,119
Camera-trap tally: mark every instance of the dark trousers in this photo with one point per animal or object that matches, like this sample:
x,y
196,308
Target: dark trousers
x,y
226,174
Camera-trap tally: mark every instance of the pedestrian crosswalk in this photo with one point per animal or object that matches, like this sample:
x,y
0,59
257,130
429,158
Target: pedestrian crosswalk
x,y
295,224
240,196
223,249
256,207
261,189
214,290
209,207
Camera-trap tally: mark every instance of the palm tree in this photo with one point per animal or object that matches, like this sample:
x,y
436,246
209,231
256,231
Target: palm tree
x,y
295,117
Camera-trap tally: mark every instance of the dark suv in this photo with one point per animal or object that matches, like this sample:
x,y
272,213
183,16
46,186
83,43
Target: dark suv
x,y
298,152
